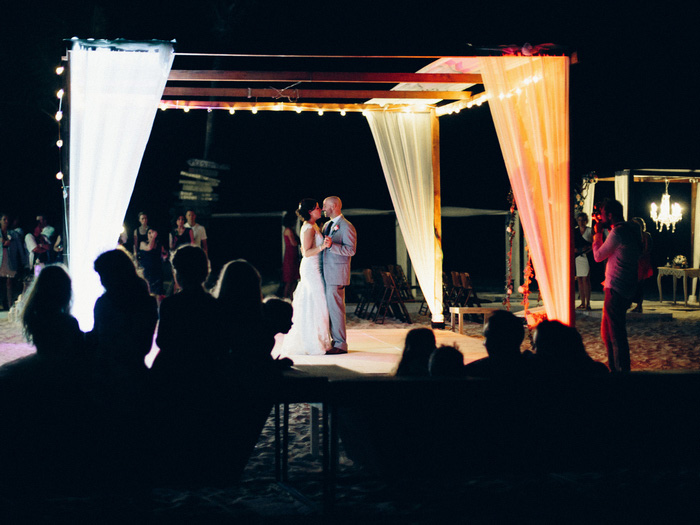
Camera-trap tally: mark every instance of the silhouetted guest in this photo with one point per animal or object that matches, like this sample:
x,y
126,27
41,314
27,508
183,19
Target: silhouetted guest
x,y
239,296
278,315
503,335
47,320
189,333
254,374
446,361
125,319
560,352
419,345
44,397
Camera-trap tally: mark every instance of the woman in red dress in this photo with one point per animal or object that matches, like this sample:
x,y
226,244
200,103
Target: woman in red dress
x,y
290,263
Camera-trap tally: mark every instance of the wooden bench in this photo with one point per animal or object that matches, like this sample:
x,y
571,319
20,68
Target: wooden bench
x,y
459,311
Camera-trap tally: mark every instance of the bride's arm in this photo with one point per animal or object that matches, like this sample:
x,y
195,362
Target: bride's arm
x,y
307,243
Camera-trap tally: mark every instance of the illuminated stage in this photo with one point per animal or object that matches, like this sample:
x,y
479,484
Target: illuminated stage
x,y
378,350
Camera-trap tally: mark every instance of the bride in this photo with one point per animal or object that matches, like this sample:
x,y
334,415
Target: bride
x,y
309,334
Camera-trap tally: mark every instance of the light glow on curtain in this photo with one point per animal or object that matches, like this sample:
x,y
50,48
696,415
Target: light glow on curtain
x,y
622,191
115,88
529,102
404,143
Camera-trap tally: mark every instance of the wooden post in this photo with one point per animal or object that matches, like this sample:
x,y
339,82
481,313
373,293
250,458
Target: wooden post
x,y
437,213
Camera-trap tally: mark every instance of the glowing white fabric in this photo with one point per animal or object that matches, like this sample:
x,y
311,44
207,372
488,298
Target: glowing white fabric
x,y
404,143
529,101
114,94
622,191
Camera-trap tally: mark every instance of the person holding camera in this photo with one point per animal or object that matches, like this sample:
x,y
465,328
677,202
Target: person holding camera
x,y
621,249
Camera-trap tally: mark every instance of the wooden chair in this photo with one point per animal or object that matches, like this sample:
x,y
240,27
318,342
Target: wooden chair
x,y
368,294
401,281
391,302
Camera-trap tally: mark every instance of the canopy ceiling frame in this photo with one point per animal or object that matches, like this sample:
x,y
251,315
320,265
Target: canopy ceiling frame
x,y
437,89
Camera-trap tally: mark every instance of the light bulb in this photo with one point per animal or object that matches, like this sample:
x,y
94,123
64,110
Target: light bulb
x,y
254,110
59,143
232,111
208,110
298,109
60,93
60,70
59,176
186,109
320,112
342,112
59,116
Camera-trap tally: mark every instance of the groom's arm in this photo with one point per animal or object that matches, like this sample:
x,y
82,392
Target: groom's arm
x,y
348,244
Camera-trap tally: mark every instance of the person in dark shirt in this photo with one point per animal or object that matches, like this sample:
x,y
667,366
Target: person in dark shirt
x,y
503,336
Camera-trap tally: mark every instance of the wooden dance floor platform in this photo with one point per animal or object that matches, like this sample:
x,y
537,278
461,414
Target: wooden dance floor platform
x,y
378,350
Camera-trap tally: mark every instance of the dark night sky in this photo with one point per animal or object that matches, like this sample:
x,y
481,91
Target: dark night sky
x,y
633,100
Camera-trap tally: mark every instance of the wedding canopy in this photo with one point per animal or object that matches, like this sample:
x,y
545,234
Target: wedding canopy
x,y
115,88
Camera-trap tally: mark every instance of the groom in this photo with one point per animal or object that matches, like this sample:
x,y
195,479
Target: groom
x,y
341,242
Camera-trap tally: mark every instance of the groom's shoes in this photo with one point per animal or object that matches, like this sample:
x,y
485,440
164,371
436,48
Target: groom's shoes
x,y
336,351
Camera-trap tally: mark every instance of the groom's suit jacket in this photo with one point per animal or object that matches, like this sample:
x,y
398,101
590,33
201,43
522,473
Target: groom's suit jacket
x,y
336,260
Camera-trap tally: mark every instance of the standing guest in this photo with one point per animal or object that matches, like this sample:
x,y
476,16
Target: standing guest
x,y
10,261
583,238
419,345
290,262
37,245
503,335
199,232
644,269
621,249
152,254
181,235
140,235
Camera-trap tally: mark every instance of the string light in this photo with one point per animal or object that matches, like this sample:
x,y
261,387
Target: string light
x,y
186,109
59,175
342,112
297,109
59,115
254,110
60,70
232,111
320,112
59,94
59,143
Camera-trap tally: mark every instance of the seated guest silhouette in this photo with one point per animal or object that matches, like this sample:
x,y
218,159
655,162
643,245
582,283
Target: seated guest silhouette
x,y
446,361
503,335
125,319
44,397
278,315
420,343
560,352
189,333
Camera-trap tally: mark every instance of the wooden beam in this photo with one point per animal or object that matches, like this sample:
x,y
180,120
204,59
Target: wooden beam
x,y
281,106
297,94
309,76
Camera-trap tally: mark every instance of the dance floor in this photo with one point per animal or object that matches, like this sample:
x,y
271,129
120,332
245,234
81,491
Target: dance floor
x,y
378,350
372,350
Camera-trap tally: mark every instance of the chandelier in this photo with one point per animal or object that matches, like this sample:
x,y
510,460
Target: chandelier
x,y
669,215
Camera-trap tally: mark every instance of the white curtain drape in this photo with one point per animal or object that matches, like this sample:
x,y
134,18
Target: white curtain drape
x,y
115,88
529,103
404,143
622,191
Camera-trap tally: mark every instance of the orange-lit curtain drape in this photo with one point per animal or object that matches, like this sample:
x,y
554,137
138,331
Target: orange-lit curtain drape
x,y
529,102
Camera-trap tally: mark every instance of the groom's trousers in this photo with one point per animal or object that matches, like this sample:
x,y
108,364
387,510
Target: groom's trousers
x,y
335,297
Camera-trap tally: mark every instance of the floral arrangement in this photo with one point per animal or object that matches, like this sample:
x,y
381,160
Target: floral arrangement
x,y
679,261
581,191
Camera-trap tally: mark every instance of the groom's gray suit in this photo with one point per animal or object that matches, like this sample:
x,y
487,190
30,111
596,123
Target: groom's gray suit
x,y
336,274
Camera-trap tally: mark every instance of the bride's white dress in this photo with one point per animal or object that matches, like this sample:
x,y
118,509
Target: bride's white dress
x,y
310,333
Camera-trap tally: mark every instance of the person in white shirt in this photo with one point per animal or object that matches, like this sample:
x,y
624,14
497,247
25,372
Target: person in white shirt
x,y
198,231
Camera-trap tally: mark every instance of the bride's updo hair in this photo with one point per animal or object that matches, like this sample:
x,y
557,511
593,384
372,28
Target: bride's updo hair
x,y
305,208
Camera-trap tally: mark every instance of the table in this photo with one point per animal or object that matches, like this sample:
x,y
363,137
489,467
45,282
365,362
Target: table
x,y
457,314
677,273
